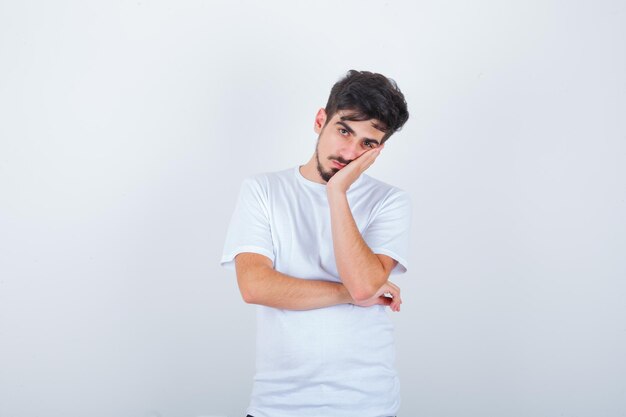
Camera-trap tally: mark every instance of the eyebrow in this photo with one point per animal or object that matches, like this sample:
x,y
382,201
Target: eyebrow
x,y
349,129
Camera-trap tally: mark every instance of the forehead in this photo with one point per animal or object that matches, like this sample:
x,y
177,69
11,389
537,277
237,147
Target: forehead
x,y
370,127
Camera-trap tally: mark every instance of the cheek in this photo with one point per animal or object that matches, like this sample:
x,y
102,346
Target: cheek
x,y
326,148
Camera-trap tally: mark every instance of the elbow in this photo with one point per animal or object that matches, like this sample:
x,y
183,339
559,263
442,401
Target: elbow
x,y
251,270
367,289
248,294
363,293
359,297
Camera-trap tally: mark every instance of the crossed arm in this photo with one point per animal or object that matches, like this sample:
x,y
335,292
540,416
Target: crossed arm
x,y
260,283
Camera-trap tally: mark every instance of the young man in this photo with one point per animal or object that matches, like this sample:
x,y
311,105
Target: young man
x,y
313,247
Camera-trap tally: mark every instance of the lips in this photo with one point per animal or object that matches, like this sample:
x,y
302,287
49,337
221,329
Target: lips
x,y
338,165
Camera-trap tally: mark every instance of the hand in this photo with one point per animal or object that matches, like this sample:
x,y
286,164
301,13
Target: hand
x,y
380,299
343,179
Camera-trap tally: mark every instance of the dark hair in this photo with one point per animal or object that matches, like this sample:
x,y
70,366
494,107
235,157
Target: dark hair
x,y
369,96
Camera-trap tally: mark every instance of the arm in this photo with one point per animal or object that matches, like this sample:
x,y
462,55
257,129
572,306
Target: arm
x,y
362,272
259,283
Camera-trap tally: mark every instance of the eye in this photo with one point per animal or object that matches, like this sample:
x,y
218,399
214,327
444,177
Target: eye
x,y
344,132
369,144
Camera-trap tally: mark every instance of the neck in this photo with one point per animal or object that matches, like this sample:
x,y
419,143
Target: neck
x,y
309,171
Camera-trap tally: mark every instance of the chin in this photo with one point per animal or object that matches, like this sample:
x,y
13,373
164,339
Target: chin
x,y
327,175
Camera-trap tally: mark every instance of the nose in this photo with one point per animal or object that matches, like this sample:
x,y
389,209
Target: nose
x,y
351,150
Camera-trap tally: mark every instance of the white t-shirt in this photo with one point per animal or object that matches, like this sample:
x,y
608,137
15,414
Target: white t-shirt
x,y
336,361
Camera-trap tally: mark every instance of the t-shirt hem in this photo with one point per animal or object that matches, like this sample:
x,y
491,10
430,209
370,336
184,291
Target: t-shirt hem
x,y
402,266
255,412
227,260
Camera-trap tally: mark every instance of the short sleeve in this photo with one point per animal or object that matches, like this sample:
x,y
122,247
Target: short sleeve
x,y
249,228
389,231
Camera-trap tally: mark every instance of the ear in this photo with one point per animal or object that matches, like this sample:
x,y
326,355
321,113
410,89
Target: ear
x,y
320,120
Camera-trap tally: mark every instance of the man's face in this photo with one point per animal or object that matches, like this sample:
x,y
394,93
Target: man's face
x,y
342,141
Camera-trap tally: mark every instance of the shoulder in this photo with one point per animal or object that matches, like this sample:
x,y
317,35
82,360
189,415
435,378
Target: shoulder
x,y
386,193
265,181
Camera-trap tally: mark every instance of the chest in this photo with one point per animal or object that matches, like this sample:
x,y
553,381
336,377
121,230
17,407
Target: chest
x,y
302,233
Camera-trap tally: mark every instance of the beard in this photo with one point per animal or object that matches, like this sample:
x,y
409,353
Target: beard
x,y
326,175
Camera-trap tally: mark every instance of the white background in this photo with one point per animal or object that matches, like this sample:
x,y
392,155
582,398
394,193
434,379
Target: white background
x,y
126,129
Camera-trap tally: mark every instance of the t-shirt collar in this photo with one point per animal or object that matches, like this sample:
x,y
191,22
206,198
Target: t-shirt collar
x,y
317,185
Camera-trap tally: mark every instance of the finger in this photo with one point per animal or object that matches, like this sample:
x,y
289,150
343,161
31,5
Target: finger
x,y
391,292
387,286
385,301
394,286
367,158
369,154
396,304
395,293
368,163
374,153
397,299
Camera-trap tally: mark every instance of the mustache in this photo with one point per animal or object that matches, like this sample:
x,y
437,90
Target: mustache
x,y
339,159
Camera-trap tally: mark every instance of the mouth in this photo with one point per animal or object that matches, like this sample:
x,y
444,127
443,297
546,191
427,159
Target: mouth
x,y
338,165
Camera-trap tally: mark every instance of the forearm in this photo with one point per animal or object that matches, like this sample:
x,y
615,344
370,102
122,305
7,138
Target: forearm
x,y
359,268
275,289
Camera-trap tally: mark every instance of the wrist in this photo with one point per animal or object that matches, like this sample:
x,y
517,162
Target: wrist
x,y
333,192
344,295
